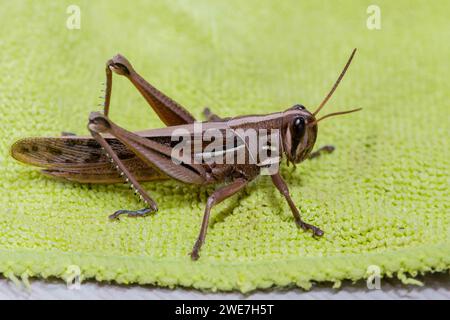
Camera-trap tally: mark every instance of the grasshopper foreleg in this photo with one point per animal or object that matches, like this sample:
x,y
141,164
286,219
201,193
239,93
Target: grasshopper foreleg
x,y
283,188
322,150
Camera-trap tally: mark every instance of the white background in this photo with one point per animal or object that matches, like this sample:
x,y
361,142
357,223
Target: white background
x,y
436,286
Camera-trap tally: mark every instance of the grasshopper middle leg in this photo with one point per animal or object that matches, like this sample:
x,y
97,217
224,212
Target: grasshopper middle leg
x,y
218,196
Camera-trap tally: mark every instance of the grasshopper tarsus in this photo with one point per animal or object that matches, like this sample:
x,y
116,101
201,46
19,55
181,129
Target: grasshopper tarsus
x,y
328,148
67,134
131,213
195,250
305,226
194,256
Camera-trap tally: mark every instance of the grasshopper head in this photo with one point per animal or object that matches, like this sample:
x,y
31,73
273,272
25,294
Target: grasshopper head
x,y
299,133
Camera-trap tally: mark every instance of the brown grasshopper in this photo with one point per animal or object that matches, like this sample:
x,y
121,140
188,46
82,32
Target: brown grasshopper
x,y
149,155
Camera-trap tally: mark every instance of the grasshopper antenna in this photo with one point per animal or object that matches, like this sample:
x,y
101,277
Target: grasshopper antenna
x,y
334,114
336,83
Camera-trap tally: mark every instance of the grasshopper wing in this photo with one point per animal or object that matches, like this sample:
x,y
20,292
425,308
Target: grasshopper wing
x,y
79,159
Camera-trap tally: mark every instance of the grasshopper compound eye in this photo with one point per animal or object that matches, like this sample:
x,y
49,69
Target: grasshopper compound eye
x,y
299,124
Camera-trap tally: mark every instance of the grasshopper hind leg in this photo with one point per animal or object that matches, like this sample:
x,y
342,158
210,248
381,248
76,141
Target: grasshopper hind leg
x,y
169,111
129,178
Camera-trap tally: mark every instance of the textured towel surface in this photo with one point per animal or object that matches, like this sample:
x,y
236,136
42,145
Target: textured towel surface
x,y
382,198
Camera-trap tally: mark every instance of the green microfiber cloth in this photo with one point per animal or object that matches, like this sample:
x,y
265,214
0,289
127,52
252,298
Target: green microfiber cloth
x,y
382,197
